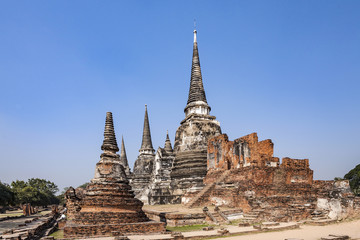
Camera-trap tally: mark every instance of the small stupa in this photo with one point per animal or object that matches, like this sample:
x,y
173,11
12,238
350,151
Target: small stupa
x,y
108,206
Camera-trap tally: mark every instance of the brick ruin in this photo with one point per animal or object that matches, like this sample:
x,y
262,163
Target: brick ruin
x,y
108,206
244,174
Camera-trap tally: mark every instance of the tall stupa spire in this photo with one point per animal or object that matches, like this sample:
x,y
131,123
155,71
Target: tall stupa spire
x,y
146,145
168,146
197,98
196,91
109,144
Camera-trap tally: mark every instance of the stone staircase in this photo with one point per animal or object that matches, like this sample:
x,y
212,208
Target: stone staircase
x,y
217,217
205,190
319,215
250,217
222,216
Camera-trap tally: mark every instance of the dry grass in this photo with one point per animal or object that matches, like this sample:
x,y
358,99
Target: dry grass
x,y
59,234
188,228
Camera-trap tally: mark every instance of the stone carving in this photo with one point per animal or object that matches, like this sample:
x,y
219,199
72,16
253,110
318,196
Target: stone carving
x,y
108,204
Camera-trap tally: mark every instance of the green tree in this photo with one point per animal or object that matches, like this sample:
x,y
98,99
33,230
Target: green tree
x,y
43,185
354,178
38,192
61,196
7,196
83,186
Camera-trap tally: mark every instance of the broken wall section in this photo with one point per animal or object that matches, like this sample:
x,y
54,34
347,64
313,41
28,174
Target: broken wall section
x,y
256,181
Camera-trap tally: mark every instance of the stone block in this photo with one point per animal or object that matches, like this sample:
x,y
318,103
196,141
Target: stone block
x,y
209,228
244,224
223,231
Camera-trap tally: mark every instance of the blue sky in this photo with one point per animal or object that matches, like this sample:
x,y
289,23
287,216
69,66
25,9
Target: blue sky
x,y
288,70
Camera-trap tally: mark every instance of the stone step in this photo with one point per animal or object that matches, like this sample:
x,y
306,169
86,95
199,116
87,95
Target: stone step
x,y
321,222
251,215
319,218
201,194
336,237
248,219
270,224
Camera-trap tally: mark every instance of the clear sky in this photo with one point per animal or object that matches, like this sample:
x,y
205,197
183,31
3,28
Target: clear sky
x,y
288,70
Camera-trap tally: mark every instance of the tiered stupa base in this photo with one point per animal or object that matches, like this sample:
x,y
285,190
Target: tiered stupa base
x,y
97,230
110,209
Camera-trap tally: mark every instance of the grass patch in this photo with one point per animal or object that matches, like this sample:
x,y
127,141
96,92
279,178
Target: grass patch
x,y
44,212
11,214
58,234
188,228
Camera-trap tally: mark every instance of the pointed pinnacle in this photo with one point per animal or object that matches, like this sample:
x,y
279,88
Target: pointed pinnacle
x,y
109,143
168,146
196,91
123,156
146,138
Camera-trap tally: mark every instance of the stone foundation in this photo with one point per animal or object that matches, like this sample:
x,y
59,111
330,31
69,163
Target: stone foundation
x,y
75,230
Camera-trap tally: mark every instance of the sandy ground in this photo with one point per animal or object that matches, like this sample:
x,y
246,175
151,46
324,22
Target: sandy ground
x,y
308,232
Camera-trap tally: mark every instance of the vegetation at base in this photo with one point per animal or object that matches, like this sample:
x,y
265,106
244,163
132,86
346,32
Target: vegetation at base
x,y
187,228
61,196
354,178
59,234
7,196
83,185
36,191
11,214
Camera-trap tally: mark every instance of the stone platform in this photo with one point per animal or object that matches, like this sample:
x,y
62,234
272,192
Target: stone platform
x,y
74,230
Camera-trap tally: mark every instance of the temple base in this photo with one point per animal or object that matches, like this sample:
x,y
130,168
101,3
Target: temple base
x,y
73,230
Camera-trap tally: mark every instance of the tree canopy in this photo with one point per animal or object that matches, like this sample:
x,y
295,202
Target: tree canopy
x,y
38,192
354,178
7,196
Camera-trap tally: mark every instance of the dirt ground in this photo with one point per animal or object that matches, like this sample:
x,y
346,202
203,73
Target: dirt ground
x,y
307,232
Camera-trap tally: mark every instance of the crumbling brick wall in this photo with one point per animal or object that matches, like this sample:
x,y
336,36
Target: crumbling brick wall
x,y
255,180
242,152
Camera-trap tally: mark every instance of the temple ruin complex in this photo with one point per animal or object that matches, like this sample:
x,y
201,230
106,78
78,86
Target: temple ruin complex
x,y
204,168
